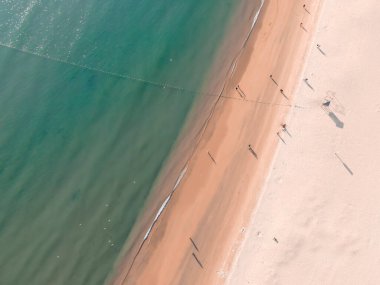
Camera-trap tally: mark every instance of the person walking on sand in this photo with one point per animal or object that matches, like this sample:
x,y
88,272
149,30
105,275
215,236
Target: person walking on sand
x,y
306,80
302,27
278,134
241,93
304,7
320,49
285,129
252,151
283,94
271,77
327,103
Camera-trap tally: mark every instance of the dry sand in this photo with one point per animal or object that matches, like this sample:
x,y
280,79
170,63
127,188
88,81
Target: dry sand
x,y
325,215
213,203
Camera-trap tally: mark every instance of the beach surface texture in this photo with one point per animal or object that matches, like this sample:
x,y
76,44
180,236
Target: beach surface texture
x,y
317,221
196,237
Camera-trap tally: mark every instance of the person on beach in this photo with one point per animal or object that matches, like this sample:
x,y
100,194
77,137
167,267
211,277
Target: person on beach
x,y
304,7
327,103
319,48
283,94
306,80
278,134
271,77
285,130
241,93
252,151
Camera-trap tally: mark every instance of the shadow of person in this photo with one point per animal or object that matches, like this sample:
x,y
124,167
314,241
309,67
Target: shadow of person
x,y
338,123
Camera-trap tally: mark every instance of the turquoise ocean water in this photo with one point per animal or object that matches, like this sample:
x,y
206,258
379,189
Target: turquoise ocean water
x,y
81,143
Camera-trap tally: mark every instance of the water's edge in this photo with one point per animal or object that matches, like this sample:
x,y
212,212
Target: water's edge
x,y
176,165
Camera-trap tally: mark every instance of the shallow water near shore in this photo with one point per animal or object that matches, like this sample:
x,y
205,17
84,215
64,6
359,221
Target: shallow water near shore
x,y
81,140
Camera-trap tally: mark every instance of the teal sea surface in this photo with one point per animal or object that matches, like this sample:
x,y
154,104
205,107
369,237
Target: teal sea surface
x,y
85,129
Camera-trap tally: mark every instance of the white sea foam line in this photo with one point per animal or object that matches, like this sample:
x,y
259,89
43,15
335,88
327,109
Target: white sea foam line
x,y
182,174
234,64
257,14
163,206
157,216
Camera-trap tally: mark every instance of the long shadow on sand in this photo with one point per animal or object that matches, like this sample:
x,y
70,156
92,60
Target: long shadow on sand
x,y
338,123
326,108
344,164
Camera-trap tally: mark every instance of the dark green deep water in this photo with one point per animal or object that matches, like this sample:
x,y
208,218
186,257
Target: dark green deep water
x,y
80,148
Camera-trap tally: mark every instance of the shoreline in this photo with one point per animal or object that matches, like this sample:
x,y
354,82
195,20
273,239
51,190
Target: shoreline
x,y
176,164
264,142
204,127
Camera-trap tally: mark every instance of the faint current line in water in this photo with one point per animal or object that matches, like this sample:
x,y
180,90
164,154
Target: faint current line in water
x,y
114,74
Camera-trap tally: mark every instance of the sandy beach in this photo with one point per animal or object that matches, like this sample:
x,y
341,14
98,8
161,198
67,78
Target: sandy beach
x,y
317,221
195,239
